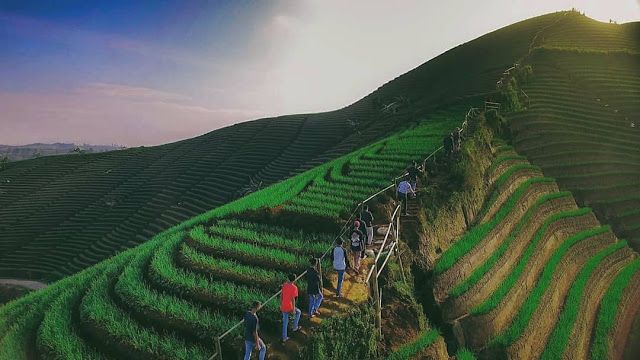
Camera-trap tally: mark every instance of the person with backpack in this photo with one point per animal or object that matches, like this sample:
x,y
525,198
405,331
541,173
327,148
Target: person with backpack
x,y
367,218
403,191
456,136
363,229
251,338
447,144
413,173
340,261
357,245
288,298
313,287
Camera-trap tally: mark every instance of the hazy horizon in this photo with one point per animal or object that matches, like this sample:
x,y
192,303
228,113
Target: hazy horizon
x,y
145,73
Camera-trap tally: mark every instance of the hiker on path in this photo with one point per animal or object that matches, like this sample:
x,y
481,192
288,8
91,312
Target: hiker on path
x,y
403,191
313,287
288,306
251,338
447,143
357,245
363,229
414,172
367,218
339,260
456,139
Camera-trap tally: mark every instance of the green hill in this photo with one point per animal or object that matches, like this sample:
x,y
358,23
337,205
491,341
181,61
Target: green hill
x,y
61,214
582,124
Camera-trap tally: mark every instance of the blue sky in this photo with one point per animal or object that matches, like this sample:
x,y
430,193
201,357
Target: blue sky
x,y
151,72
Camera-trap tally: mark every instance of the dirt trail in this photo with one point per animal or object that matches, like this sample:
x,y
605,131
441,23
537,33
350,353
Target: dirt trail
x,y
29,284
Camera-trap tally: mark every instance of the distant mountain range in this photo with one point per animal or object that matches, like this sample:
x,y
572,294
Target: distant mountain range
x,y
30,151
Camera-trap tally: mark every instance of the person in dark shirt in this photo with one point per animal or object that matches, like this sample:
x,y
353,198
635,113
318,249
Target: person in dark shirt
x,y
414,172
363,230
313,287
447,143
357,245
367,218
251,338
457,139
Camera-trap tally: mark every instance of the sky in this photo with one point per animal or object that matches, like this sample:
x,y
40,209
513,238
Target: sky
x,y
150,72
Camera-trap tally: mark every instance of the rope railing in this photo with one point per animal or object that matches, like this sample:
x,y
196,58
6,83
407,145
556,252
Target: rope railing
x,y
472,112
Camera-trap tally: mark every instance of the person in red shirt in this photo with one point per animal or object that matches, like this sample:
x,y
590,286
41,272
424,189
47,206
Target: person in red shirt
x,y
288,306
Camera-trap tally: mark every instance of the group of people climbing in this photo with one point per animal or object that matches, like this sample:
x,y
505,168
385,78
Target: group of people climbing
x,y
361,235
452,142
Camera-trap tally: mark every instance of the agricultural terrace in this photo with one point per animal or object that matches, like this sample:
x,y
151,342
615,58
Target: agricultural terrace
x,y
170,296
582,125
61,214
538,274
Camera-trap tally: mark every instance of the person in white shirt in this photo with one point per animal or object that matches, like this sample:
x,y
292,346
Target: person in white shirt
x,y
403,191
339,260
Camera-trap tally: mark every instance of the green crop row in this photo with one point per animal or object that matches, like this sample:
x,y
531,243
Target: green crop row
x,y
498,295
247,253
264,236
116,330
558,339
479,272
410,350
471,239
165,309
521,321
500,182
609,306
23,318
223,294
57,336
501,159
232,270
314,211
280,230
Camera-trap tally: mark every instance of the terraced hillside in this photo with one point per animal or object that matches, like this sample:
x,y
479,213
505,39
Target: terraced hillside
x,y
61,214
538,276
582,124
167,298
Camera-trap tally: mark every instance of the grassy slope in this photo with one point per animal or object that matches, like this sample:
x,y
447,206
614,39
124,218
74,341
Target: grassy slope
x,y
161,306
501,324
584,96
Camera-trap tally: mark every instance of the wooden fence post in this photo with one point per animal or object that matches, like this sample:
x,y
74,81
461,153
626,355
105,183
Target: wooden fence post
x,y
320,272
404,278
218,348
375,292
